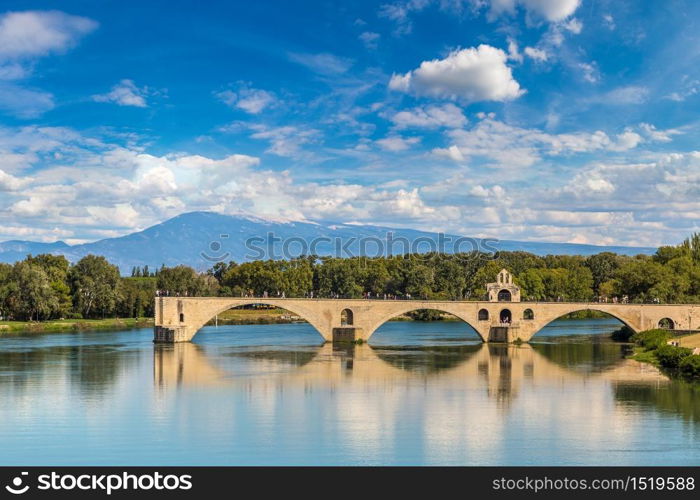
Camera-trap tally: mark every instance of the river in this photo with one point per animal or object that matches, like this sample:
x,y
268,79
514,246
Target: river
x,y
420,393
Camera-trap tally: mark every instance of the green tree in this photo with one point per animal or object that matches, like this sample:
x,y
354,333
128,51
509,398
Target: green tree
x,y
418,278
532,284
95,286
56,268
35,297
339,276
603,266
638,276
692,245
183,280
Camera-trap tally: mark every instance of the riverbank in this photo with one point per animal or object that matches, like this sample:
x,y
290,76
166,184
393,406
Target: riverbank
x,y
73,325
652,346
262,316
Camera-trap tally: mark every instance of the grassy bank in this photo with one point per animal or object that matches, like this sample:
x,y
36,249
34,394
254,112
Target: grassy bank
x,y
651,346
256,317
73,325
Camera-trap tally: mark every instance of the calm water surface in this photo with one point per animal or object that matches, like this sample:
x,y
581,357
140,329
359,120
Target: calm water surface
x,y
420,393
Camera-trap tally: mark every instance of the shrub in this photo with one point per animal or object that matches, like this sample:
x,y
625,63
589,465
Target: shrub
x,y
622,334
690,366
651,339
671,356
425,315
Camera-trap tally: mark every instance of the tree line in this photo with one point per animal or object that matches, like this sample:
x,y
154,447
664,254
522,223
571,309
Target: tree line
x,y
671,275
48,287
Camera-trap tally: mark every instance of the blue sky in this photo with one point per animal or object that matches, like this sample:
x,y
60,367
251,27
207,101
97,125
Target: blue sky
x,y
549,120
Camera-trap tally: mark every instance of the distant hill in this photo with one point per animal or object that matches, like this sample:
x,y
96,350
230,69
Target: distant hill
x,y
199,239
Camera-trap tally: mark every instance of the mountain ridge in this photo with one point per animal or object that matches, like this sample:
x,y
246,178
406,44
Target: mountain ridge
x,y
199,239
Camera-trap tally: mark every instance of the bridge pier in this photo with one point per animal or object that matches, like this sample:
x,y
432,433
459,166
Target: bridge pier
x,y
507,334
347,334
171,334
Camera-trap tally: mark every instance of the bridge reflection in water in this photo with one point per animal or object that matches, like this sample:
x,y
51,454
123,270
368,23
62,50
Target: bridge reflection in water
x,y
501,369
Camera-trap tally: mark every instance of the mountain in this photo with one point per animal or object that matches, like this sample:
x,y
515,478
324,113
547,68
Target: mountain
x,y
12,251
199,239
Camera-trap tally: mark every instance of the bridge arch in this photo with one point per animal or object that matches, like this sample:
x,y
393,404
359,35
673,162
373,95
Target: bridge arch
x,y
505,296
205,314
435,307
346,317
546,317
505,316
666,324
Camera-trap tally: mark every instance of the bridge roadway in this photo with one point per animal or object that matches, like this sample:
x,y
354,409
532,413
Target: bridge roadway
x,y
178,319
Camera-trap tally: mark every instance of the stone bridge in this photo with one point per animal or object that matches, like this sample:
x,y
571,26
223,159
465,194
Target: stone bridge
x,y
179,318
502,317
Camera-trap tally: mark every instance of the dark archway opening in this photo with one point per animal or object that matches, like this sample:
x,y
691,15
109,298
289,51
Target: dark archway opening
x,y
528,314
346,317
504,296
182,317
483,315
667,324
505,316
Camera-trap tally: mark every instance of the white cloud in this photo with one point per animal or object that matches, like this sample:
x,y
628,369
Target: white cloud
x,y
480,191
92,188
630,94
396,143
538,55
469,75
13,71
119,215
250,100
574,26
24,103
609,21
626,140
689,87
125,93
434,116
597,185
24,37
399,13
9,182
405,203
590,72
286,140
551,10
653,134
453,153
512,147
323,63
16,161
370,39
513,51
38,33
